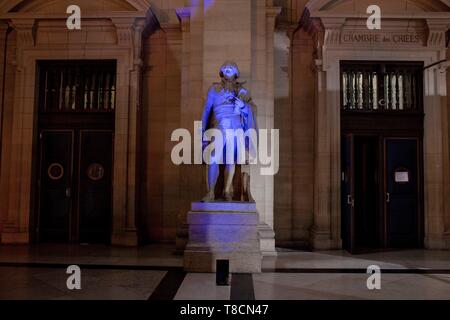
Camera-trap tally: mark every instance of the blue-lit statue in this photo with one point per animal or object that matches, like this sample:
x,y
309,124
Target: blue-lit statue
x,y
229,106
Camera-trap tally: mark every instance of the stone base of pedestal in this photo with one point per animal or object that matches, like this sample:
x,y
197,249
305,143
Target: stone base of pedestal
x,y
223,231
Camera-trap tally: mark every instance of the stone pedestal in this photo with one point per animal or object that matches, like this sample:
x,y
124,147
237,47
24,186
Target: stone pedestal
x,y
223,230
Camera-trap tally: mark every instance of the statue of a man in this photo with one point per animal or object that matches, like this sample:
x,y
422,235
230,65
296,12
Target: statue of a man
x,y
228,107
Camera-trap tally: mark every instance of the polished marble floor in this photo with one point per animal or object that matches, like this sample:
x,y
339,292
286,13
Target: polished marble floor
x,y
44,283
155,272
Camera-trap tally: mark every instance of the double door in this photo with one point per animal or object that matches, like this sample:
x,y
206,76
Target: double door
x,y
381,192
75,185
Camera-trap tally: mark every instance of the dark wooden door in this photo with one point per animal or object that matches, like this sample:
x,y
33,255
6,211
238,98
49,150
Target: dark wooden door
x,y
348,194
95,188
397,214
55,185
402,192
75,186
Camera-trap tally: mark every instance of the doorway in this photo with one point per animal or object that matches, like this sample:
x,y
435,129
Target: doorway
x,y
381,193
75,158
381,156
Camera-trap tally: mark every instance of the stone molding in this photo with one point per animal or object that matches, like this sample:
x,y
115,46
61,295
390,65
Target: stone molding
x,y
25,32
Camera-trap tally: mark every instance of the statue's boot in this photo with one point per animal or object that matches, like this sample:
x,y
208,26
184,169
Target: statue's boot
x,y
210,196
228,196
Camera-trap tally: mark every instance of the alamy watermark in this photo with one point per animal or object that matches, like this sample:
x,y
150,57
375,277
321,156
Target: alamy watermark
x,y
374,280
231,146
74,20
374,21
74,280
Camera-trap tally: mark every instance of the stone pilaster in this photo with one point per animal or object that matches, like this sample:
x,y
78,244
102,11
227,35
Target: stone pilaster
x,y
321,232
16,228
129,34
324,233
434,157
265,228
436,140
184,16
3,45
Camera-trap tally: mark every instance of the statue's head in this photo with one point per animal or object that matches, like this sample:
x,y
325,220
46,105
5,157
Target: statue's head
x,y
229,70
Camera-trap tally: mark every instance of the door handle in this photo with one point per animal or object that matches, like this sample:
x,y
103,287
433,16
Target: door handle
x,y
388,197
350,200
68,192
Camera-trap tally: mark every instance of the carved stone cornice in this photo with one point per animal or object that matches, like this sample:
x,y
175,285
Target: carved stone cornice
x,y
437,32
130,31
124,28
333,29
443,66
184,15
25,29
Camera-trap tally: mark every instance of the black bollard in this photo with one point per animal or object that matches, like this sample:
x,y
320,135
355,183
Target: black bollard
x,y
223,272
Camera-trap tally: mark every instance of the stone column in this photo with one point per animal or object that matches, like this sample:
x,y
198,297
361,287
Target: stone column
x,y
265,228
129,31
16,228
3,45
259,86
325,232
446,70
333,27
434,139
184,15
433,163
320,232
